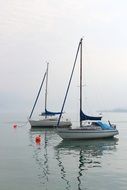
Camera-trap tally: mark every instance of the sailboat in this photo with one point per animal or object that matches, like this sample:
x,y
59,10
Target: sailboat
x,y
47,118
90,127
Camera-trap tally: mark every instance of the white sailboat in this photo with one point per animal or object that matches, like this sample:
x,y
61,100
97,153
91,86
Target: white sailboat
x,y
47,118
90,127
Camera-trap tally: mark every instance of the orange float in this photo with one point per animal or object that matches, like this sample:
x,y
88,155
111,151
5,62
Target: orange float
x,y
38,139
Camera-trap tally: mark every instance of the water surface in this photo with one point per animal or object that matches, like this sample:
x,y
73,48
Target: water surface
x,y
55,164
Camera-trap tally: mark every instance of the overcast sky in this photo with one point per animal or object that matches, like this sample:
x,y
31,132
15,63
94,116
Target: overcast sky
x,y
35,31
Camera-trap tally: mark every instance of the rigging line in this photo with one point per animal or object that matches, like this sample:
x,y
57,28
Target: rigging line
x,y
24,124
69,82
38,95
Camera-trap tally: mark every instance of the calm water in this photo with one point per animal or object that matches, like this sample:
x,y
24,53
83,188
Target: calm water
x,y
61,165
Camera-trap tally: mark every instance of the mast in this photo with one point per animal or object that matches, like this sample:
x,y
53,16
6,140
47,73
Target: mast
x,y
69,82
80,80
37,95
46,87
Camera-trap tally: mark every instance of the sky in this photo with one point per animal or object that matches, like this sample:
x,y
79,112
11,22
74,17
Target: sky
x,y
33,32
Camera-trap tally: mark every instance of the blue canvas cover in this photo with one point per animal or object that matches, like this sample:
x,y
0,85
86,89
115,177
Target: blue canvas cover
x,y
86,117
49,113
104,126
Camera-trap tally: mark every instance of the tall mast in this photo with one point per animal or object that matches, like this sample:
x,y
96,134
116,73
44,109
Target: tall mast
x,y
37,95
69,82
46,86
80,79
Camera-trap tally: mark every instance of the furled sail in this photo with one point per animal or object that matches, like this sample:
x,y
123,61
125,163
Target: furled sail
x,y
87,117
49,113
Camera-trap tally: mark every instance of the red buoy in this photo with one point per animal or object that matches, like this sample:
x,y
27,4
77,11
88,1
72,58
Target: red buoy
x,y
38,139
14,126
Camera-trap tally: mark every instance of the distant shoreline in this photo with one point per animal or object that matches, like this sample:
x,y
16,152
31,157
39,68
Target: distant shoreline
x,y
115,110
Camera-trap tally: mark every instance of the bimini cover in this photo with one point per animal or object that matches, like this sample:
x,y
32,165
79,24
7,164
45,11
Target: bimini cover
x,y
104,126
87,117
49,113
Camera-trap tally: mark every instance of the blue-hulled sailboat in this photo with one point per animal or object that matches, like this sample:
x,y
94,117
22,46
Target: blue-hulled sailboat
x,y
90,127
47,119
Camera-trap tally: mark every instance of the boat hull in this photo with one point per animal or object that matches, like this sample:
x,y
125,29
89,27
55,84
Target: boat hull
x,y
47,123
85,134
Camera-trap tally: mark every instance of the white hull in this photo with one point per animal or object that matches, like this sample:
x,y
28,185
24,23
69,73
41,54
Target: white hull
x,y
51,123
86,134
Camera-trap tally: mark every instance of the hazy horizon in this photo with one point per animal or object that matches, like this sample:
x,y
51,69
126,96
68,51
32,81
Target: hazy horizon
x,y
34,32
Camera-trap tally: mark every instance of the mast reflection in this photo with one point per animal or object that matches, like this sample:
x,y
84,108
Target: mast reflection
x,y
62,169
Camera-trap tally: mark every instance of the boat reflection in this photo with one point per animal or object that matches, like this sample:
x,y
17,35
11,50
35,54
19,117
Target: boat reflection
x,y
88,154
68,163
